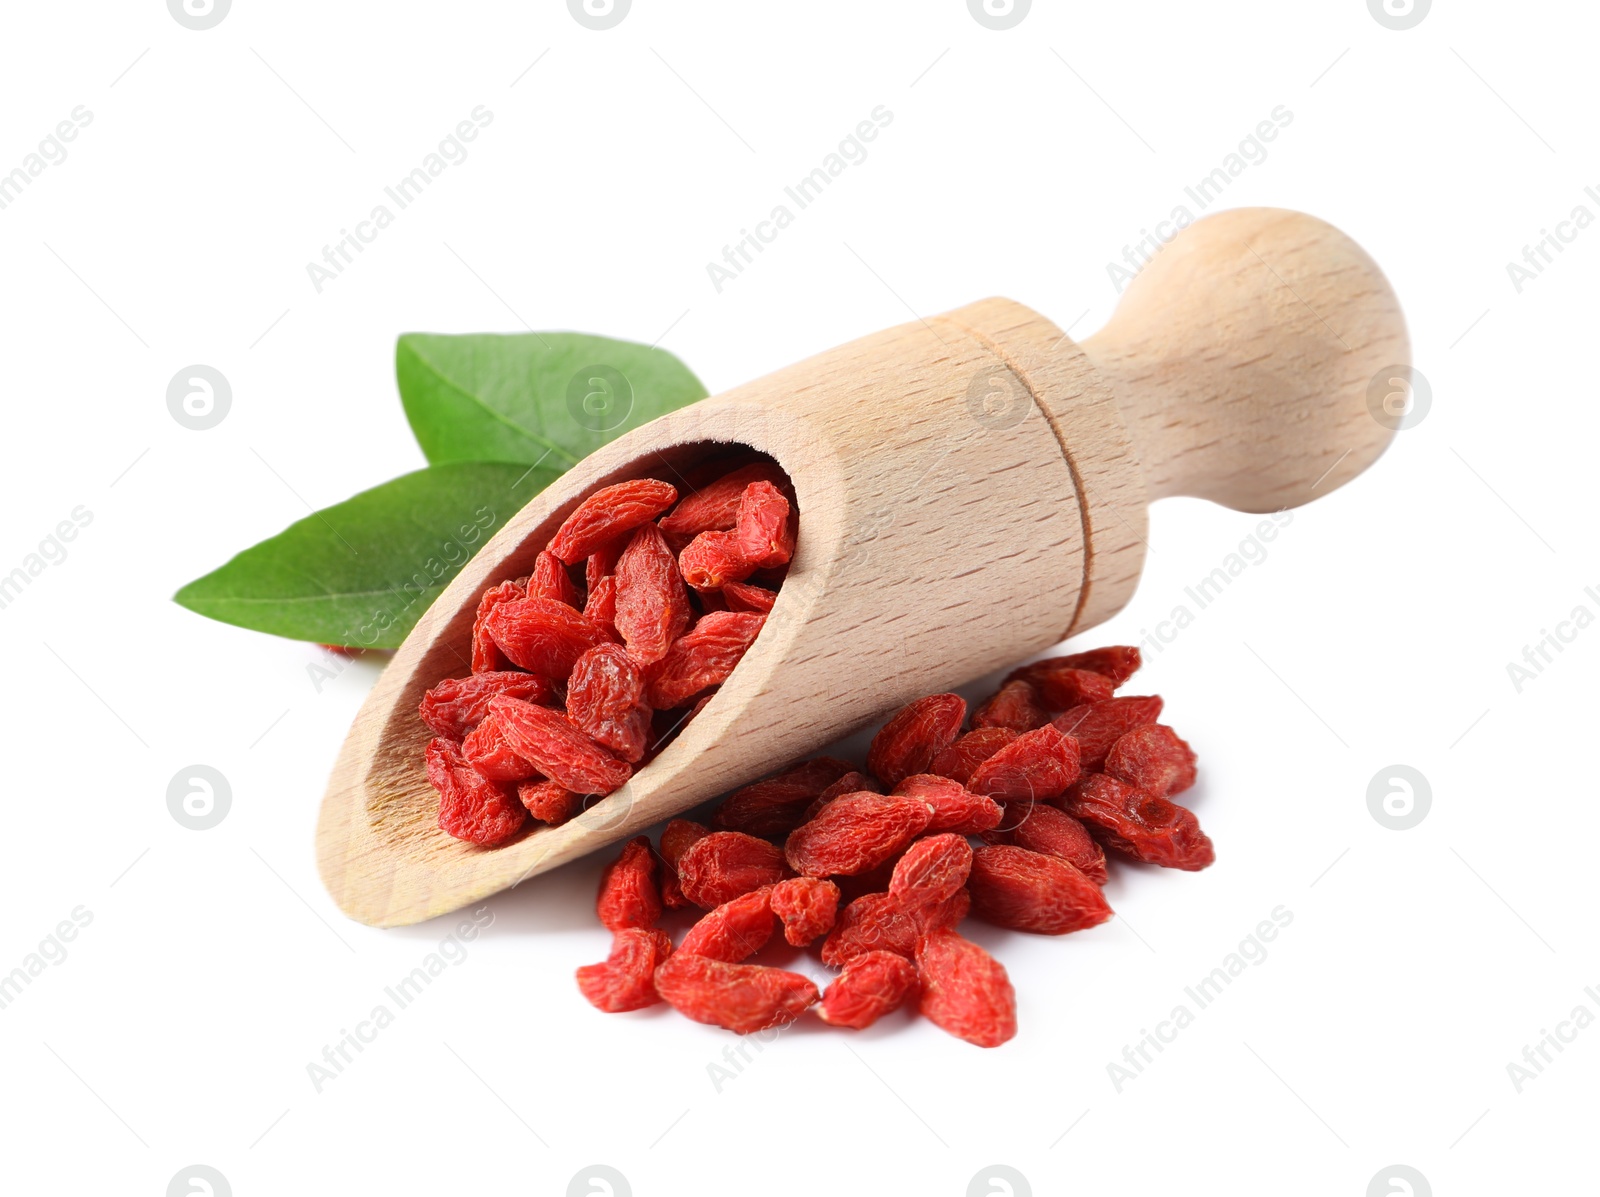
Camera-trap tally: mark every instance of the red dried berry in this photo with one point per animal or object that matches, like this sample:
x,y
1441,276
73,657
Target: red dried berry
x,y
602,563
702,657
488,752
740,596
856,833
965,990
918,732
550,580
677,837
486,657
871,923
775,805
558,749
1143,825
1028,891
1098,725
1015,705
609,512
715,507
738,997
605,701
626,981
735,930
932,870
542,635
1044,829
713,559
871,985
1116,662
1153,758
851,783
955,808
652,608
601,607
549,801
808,907
764,531
1036,766
458,704
961,760
471,807
723,865
628,893
1061,686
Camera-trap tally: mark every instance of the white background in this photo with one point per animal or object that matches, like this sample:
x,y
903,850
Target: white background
x,y
1377,631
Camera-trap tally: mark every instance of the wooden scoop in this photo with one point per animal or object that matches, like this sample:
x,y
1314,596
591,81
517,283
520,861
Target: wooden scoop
x,y
971,490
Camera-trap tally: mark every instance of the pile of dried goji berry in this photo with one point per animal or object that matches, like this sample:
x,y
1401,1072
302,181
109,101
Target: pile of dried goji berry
x,y
574,684
1053,771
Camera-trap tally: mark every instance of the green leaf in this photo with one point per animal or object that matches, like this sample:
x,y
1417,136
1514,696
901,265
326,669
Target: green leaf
x,y
549,398
360,573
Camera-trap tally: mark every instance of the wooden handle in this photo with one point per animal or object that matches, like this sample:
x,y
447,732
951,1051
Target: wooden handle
x,y
1242,355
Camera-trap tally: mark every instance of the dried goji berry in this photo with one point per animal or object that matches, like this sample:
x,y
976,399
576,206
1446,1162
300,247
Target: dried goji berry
x,y
1028,891
808,907
1141,824
629,896
609,512
764,531
871,985
1098,725
652,607
703,656
471,807
677,836
1038,766
965,990
1015,705
718,867
852,782
626,981
558,749
734,930
488,752
486,657
713,559
605,701
918,732
871,923
738,997
775,805
1154,759
600,608
741,596
1117,663
955,808
602,563
932,870
549,801
542,635
458,704
961,760
855,833
715,507
550,580
1044,829
1061,685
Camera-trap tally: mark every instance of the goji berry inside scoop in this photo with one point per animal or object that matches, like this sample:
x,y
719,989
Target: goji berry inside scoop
x,y
638,608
